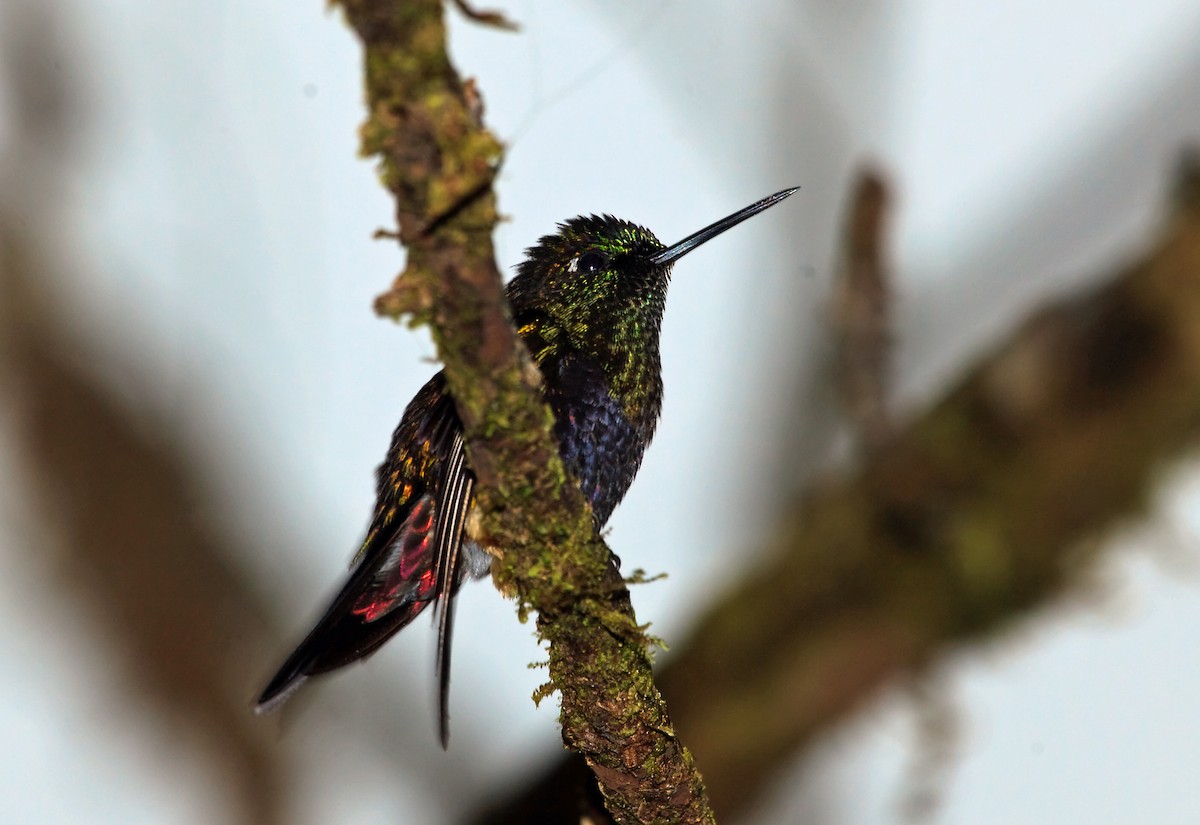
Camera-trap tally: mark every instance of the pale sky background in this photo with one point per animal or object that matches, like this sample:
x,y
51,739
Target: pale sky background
x,y
221,235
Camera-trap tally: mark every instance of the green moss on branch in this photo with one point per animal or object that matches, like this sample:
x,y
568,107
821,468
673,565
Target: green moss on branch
x,y
424,125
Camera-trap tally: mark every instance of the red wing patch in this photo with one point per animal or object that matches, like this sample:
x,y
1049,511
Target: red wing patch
x,y
408,571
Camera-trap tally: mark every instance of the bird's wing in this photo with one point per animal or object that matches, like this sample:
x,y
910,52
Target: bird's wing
x,y
409,557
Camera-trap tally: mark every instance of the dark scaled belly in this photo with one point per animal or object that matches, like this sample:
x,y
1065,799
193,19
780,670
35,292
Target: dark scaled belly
x,y
597,441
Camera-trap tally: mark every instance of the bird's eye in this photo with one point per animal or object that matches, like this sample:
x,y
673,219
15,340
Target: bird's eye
x,y
589,263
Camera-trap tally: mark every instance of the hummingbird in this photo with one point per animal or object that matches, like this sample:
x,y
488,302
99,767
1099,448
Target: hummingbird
x,y
588,304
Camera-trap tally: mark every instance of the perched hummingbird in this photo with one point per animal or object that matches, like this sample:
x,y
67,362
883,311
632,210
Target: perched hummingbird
x,y
588,303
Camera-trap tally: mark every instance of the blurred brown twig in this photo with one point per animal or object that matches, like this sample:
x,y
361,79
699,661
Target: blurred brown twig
x,y
861,313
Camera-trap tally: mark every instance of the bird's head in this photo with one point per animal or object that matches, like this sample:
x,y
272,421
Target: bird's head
x,y
602,281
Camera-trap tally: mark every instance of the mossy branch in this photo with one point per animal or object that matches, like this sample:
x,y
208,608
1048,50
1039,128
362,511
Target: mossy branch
x,y
983,508
425,125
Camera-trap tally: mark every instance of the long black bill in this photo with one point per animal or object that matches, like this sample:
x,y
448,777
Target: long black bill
x,y
709,232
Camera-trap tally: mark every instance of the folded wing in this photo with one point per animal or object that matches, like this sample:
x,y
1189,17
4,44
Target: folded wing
x,y
410,558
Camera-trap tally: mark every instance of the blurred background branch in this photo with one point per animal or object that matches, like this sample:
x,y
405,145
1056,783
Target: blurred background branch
x,y
133,545
861,313
124,531
978,511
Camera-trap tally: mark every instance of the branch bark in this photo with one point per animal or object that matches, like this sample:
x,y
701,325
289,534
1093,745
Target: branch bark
x,y
979,511
440,162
